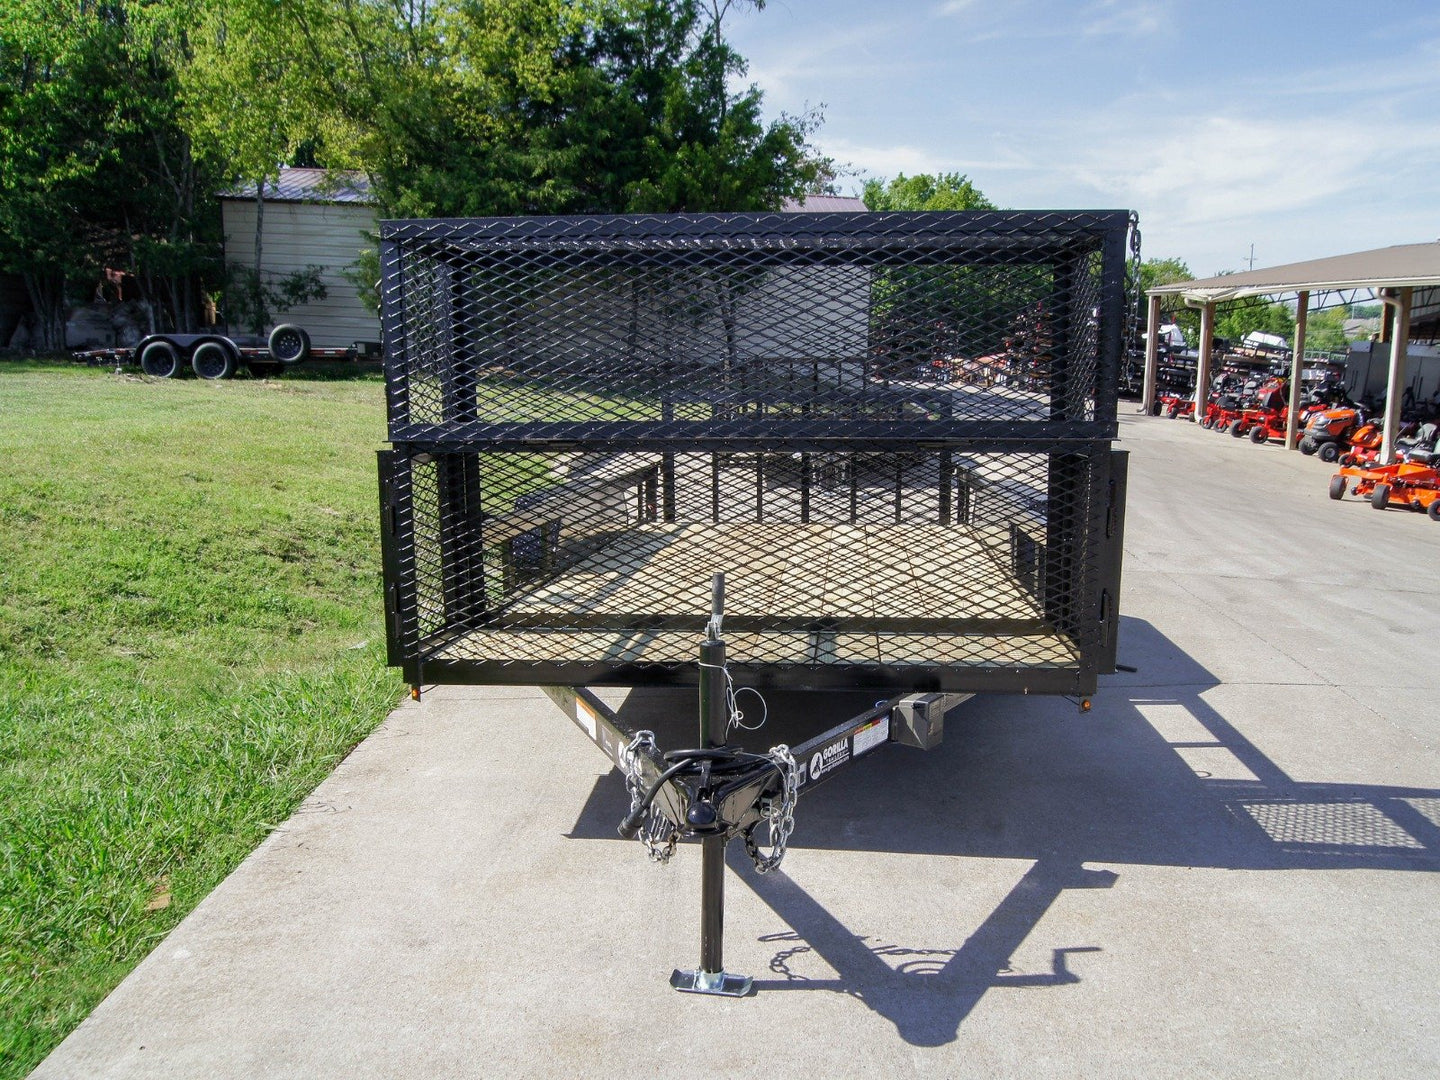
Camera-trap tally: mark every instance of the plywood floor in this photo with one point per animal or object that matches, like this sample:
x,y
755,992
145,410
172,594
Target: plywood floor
x,y
783,573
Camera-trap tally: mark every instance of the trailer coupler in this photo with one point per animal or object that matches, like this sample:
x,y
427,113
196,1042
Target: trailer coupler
x,y
713,791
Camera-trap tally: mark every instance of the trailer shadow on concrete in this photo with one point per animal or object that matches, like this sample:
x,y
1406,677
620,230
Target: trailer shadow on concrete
x,y
1153,776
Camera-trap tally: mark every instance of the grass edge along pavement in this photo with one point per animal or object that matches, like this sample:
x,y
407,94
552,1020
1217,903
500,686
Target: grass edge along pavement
x,y
190,640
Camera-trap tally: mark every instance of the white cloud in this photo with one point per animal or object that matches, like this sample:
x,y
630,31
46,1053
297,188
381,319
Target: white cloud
x,y
1051,104
1207,186
1207,169
1138,18
885,161
854,54
1018,21
881,161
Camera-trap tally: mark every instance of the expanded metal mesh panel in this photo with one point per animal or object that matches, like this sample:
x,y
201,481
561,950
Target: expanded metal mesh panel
x,y
890,432
545,328
525,563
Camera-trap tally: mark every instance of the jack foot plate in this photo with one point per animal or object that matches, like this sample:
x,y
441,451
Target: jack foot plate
x,y
719,983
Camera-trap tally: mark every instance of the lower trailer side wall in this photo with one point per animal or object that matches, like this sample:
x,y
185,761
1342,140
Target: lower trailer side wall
x,y
937,570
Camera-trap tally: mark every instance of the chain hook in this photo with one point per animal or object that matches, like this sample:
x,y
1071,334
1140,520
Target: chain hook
x,y
781,816
657,832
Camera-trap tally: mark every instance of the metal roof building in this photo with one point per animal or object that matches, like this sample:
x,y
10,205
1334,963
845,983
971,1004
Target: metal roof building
x,y
311,185
323,217
1406,278
342,186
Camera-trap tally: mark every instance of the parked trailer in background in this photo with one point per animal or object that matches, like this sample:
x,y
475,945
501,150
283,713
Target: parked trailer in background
x,y
216,356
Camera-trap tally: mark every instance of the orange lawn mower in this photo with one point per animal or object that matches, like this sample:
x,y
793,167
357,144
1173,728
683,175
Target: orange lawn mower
x,y
1405,483
1225,403
1261,425
1222,410
1417,445
1414,445
1364,446
1330,432
1221,415
1265,424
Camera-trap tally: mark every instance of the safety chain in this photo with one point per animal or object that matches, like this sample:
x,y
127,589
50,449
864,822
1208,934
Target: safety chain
x,y
781,816
657,832
1132,288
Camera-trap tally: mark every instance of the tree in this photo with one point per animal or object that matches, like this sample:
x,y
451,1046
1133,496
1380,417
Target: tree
x,y
459,108
545,106
120,119
916,308
95,172
668,71
244,105
944,191
1325,330
56,94
1157,272
172,220
1233,321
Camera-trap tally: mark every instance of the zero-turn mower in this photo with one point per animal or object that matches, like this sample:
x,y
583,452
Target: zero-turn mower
x,y
1405,483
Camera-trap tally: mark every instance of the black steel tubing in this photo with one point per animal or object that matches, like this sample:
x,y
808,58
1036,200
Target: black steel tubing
x,y
713,717
712,693
712,904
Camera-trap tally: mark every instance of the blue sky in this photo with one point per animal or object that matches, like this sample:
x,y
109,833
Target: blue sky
x,y
1306,129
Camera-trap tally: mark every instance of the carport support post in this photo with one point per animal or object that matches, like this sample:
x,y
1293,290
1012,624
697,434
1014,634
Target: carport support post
x,y
1394,386
1297,371
1202,364
1152,353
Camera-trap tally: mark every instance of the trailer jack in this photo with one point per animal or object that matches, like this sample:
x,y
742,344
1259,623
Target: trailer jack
x,y
715,791
712,793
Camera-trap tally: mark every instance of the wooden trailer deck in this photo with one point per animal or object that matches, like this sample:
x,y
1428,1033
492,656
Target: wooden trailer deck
x,y
796,594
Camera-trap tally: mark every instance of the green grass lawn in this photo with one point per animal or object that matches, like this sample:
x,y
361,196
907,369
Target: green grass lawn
x,y
190,640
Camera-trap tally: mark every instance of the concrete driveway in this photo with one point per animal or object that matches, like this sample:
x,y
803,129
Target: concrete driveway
x,y
1227,868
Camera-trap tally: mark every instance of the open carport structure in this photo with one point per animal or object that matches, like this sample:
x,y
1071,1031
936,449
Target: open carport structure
x,y
1405,278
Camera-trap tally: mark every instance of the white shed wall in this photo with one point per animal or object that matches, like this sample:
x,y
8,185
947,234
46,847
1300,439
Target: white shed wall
x,y
297,235
786,313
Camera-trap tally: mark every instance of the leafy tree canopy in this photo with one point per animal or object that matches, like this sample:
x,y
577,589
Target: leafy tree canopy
x,y
94,170
1234,321
943,191
1156,272
121,119
1325,330
545,106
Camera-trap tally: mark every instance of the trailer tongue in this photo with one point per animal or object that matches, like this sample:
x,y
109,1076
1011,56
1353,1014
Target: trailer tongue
x,y
753,449
717,791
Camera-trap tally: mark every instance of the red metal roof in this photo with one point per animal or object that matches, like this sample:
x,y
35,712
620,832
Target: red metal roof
x,y
824,204
310,185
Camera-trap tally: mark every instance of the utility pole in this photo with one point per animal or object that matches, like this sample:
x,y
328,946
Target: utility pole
x,y
1251,260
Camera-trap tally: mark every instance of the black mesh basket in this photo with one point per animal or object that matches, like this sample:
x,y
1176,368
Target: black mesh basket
x,y
891,432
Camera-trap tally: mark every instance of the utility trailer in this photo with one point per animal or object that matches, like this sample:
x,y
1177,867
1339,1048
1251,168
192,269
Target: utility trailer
x,y
216,356
706,450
